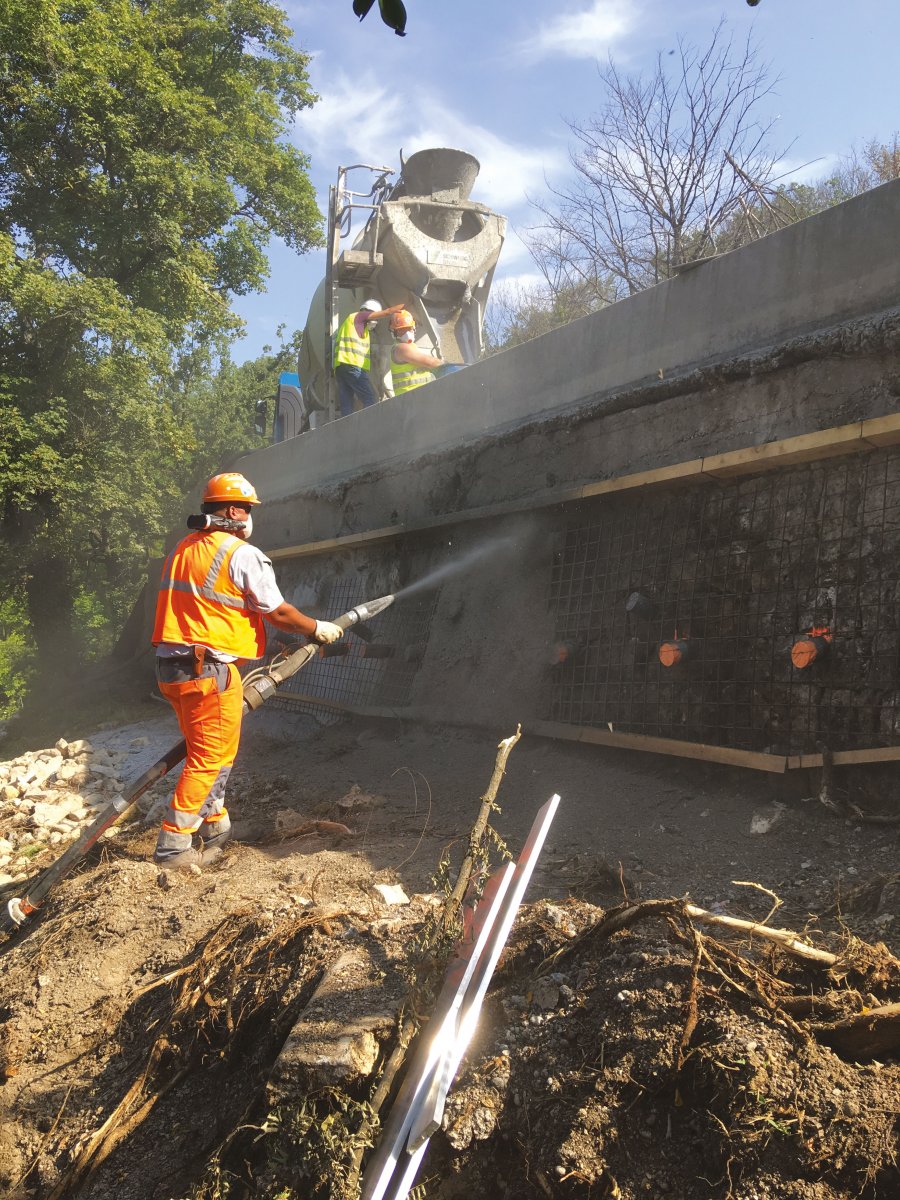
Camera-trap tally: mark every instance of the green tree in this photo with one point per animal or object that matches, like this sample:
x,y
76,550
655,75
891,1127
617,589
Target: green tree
x,y
143,167
16,656
215,410
862,169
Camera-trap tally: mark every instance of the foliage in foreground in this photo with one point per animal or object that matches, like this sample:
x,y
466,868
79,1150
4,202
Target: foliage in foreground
x,y
143,167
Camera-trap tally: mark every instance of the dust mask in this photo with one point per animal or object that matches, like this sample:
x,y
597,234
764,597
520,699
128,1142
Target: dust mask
x,y
248,527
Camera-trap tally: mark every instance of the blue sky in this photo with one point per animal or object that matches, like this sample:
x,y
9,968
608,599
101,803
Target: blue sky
x,y
501,78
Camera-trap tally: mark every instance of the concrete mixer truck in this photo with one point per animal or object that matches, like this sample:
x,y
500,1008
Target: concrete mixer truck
x,y
420,242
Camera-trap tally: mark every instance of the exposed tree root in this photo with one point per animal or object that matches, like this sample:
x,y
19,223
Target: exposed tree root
x,y
198,1006
862,1035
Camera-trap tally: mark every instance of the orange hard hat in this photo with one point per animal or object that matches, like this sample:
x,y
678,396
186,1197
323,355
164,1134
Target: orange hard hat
x,y
230,488
402,320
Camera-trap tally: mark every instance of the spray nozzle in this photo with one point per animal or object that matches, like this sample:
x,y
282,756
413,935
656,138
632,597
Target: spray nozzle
x,y
363,612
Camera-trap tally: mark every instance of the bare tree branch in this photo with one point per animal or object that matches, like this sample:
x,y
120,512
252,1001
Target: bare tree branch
x,y
670,160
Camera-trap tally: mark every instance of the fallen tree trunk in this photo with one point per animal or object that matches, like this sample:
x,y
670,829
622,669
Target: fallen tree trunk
x,y
871,1034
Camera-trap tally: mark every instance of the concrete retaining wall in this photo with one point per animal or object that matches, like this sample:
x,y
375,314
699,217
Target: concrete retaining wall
x,y
797,333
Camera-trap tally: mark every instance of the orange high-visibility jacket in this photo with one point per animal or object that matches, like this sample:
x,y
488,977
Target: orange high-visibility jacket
x,y
198,604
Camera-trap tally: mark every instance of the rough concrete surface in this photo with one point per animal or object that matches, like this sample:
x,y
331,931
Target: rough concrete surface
x,y
334,1041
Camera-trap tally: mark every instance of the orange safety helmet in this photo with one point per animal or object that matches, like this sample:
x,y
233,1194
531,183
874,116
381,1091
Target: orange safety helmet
x,y
230,487
402,320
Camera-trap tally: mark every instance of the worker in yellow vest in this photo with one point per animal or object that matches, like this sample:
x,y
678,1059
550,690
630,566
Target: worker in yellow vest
x,y
214,593
352,360
411,367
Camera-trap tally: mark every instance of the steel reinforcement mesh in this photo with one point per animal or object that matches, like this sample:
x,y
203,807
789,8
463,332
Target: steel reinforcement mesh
x,y
736,572
358,673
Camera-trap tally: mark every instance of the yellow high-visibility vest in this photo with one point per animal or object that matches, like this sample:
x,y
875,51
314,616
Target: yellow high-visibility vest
x,y
349,348
406,376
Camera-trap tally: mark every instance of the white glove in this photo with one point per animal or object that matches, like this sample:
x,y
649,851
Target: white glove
x,y
327,632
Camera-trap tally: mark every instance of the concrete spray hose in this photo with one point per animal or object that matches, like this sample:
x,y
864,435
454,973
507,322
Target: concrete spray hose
x,y
259,686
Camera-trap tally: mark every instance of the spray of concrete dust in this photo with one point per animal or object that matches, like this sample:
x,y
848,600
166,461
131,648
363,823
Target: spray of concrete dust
x,y
478,554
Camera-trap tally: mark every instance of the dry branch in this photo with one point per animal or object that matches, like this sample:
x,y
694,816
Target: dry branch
x,y
411,1022
691,1010
488,805
785,938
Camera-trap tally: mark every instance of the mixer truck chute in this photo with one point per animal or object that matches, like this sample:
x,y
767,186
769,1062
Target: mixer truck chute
x,y
423,244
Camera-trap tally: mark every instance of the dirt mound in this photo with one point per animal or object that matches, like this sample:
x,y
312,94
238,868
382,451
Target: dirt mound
x,y
662,1062
140,1012
625,1049
647,1060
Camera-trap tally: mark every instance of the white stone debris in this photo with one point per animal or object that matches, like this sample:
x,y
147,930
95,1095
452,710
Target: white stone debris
x,y
765,821
391,893
47,797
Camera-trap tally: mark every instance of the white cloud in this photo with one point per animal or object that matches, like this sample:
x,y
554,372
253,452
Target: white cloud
x,y
340,130
352,120
582,33
508,170
800,170
515,254
517,283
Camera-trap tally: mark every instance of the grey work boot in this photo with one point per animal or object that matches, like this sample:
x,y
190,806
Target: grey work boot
x,y
185,860
215,834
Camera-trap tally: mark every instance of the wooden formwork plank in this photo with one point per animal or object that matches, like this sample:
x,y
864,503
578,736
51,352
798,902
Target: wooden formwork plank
x,y
505,508
846,758
774,763
858,436
690,471
808,447
882,431
385,534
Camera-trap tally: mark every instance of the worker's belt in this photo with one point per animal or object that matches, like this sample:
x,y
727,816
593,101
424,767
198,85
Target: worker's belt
x,y
180,668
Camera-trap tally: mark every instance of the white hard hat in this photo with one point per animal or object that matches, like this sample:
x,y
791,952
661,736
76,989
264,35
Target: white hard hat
x,y
371,305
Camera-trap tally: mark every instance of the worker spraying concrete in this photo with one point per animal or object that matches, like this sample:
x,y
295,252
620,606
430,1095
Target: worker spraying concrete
x,y
197,573
215,596
215,592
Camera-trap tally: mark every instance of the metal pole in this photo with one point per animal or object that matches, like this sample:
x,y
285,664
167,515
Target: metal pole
x,y
419,1106
386,1157
335,192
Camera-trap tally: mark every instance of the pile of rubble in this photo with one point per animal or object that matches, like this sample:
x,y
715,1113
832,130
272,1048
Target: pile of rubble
x,y
48,796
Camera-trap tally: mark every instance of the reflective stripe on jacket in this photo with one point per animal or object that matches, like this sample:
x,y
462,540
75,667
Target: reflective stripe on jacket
x,y
406,376
199,604
350,349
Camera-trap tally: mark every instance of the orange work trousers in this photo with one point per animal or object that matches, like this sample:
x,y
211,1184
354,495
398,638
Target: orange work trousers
x,y
210,721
